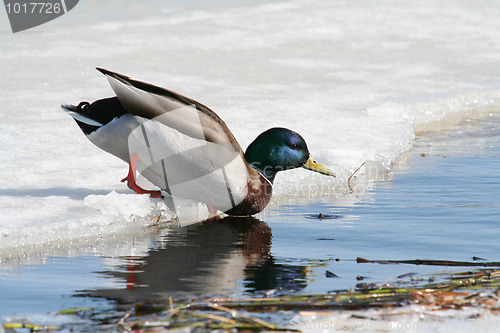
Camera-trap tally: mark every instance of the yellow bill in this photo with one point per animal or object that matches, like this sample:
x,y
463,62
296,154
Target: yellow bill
x,y
312,165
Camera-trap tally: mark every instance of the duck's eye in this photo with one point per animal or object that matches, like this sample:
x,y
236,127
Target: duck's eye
x,y
294,146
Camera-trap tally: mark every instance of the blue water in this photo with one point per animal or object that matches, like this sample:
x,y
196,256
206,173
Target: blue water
x,y
439,202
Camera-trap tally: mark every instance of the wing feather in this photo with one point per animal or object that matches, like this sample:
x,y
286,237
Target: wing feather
x,y
150,101
183,146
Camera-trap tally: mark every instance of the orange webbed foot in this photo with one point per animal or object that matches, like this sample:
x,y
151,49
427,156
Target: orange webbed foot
x,y
130,179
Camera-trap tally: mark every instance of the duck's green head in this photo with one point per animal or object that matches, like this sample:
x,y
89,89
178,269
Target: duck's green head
x,y
279,149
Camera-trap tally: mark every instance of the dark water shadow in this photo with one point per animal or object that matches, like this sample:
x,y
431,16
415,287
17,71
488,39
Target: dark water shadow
x,y
232,255
322,216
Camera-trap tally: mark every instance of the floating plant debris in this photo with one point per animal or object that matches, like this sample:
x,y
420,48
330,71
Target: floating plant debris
x,y
430,262
322,216
329,274
456,290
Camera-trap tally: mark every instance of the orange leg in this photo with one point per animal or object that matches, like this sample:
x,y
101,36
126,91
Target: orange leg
x,y
130,179
131,277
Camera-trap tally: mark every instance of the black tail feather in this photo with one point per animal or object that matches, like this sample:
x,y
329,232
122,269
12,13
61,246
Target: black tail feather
x,y
103,110
98,113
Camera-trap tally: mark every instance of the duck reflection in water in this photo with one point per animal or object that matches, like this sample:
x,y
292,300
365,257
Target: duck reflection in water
x,y
231,255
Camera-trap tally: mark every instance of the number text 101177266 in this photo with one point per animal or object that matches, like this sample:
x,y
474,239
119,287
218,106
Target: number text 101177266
x,y
28,14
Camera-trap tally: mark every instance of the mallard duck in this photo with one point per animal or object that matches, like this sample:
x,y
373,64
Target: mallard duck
x,y
186,149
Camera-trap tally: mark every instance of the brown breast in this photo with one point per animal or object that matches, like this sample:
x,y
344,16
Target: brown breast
x,y
259,194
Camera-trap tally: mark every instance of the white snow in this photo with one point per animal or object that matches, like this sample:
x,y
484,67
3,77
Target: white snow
x,y
356,79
